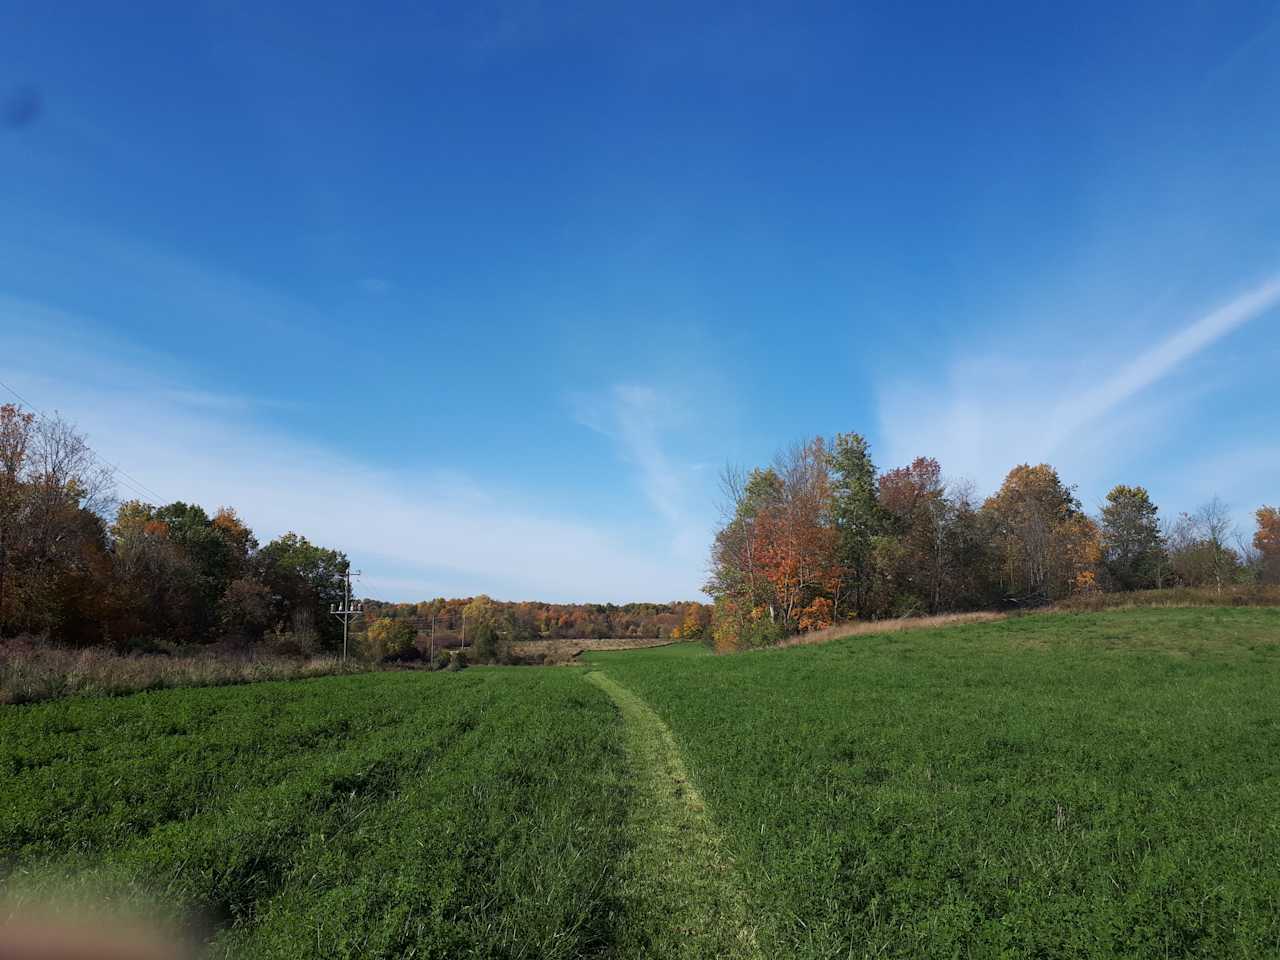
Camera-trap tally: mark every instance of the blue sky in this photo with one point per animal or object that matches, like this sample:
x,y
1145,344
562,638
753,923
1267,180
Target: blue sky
x,y
486,294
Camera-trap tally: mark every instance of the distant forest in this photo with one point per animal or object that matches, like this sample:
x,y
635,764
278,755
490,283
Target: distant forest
x,y
81,567
532,620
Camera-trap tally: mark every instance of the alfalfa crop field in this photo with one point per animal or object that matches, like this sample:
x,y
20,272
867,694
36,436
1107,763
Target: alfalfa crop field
x,y
1054,785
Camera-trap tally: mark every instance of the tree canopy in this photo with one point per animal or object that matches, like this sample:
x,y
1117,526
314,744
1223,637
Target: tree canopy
x,y
821,535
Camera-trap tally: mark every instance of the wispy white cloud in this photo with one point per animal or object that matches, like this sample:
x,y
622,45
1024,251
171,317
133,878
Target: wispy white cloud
x,y
1078,411
1018,402
638,415
417,535
207,400
640,419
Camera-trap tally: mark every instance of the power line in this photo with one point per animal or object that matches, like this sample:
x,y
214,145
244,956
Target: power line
x,y
21,398
133,485
139,484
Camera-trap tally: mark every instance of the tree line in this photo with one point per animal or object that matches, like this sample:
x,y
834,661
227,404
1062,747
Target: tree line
x,y
821,535
78,567
535,620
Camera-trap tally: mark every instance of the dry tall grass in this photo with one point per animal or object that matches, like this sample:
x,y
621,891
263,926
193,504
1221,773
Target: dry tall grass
x,y
1248,595
30,672
861,628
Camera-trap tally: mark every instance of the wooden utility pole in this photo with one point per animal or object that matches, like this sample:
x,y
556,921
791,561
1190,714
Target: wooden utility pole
x,y
348,609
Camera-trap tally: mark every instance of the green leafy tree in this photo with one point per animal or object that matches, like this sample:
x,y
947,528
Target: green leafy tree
x,y
489,630
1133,551
970,577
736,558
304,580
858,518
208,554
155,581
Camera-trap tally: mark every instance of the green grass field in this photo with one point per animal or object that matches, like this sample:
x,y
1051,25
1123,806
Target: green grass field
x,y
380,815
1088,785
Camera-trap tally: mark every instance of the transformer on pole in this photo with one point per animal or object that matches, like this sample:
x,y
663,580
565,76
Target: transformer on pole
x,y
348,609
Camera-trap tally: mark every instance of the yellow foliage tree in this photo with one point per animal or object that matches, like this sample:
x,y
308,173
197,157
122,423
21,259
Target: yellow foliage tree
x,y
389,638
1044,543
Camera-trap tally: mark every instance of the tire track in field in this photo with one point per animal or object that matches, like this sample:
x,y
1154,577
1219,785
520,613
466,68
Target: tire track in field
x,y
681,897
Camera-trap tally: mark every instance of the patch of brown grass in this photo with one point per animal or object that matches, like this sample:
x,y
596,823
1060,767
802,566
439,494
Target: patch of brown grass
x,y
559,652
1246,595
30,672
862,628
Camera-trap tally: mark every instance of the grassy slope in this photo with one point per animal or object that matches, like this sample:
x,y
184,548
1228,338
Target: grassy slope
x,y
475,814
1055,785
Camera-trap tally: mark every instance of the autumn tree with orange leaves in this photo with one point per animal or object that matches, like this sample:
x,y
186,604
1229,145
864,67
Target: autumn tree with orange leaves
x,y
822,536
775,564
1267,542
798,538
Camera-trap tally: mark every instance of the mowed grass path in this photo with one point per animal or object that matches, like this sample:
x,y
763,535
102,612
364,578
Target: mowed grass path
x,y
1102,785
680,896
1099,785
